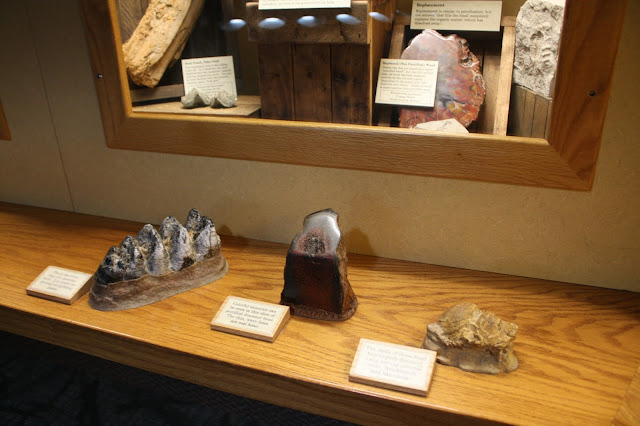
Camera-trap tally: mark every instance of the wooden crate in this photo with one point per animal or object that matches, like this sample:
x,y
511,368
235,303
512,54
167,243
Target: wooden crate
x,y
495,50
530,113
322,74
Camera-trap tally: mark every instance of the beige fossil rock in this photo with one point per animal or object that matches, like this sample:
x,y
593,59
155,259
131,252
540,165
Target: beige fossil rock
x,y
473,340
159,39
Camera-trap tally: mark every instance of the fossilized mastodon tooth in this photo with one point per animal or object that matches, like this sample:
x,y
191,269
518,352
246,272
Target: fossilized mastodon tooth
x,y
158,264
473,340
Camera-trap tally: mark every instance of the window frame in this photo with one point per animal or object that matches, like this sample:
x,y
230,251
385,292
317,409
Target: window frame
x,y
567,159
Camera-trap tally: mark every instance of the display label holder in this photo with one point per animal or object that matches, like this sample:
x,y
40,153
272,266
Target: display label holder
x,y
251,318
456,15
391,366
60,285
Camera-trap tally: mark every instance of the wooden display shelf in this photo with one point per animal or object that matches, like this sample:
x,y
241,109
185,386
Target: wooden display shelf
x,y
578,346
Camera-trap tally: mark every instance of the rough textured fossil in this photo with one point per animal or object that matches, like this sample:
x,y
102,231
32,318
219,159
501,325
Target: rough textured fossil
x,y
538,29
196,98
473,340
158,264
159,39
315,274
460,88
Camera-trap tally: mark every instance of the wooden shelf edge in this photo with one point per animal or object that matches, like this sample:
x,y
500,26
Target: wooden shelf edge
x,y
341,404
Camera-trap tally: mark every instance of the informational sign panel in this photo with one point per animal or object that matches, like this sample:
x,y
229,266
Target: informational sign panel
x,y
60,285
209,75
407,82
250,318
456,15
302,4
392,366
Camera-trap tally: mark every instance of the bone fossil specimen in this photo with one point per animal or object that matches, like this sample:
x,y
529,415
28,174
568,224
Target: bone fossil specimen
x,y
158,264
159,39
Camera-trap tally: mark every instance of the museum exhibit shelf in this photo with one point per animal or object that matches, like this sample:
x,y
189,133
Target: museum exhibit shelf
x,y
578,346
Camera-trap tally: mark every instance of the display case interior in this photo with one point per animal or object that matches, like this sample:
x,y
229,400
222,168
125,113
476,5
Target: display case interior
x,y
557,147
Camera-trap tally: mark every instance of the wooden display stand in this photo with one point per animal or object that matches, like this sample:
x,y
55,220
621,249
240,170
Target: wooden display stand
x,y
326,73
495,51
530,114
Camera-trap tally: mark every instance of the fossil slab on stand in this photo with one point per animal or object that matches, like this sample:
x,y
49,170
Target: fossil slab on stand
x,y
158,264
460,89
315,274
473,340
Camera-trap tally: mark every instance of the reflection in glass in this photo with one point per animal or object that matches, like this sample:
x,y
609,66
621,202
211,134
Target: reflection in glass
x,y
271,23
347,19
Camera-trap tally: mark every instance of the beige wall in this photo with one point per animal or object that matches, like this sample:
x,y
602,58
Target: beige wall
x,y
58,159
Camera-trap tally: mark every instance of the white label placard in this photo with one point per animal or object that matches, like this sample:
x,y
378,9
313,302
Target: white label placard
x,y
209,74
302,4
60,284
392,366
250,318
456,15
407,82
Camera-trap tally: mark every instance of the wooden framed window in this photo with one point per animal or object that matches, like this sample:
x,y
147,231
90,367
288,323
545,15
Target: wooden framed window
x,y
566,159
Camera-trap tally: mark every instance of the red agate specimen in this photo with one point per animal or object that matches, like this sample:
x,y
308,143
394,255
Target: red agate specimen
x,y
460,89
315,274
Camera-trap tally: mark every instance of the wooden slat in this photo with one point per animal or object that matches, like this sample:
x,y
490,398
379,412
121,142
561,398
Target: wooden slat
x,y
5,134
503,92
578,347
540,116
130,12
491,74
312,82
350,81
276,81
329,31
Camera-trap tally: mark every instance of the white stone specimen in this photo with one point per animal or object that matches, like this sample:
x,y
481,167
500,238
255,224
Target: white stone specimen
x,y
450,125
538,29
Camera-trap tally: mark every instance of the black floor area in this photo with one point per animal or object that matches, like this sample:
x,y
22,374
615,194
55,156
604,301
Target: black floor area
x,y
42,384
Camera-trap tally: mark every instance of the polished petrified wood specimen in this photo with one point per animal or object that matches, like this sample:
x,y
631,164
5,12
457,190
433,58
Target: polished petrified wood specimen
x,y
159,39
473,340
460,87
158,264
315,274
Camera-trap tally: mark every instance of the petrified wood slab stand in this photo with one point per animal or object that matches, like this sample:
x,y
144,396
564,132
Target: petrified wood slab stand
x,y
495,50
578,346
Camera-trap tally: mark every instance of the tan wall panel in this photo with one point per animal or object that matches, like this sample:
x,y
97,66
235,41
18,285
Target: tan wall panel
x,y
584,237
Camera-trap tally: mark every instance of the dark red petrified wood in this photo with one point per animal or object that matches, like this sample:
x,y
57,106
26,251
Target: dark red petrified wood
x,y
315,274
460,89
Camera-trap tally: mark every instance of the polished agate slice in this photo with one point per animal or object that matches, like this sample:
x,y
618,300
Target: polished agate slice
x,y
460,89
315,274
157,264
473,340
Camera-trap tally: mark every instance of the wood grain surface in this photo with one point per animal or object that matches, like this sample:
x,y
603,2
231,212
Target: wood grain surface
x,y
578,347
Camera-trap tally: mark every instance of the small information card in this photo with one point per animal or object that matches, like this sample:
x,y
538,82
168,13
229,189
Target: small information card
x,y
60,285
392,366
456,15
249,318
209,74
302,4
407,82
